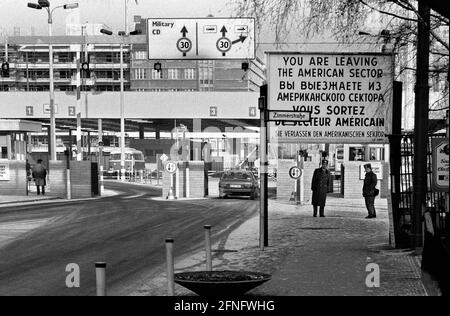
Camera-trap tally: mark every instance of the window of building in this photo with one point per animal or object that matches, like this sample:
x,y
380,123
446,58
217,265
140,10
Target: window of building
x,y
141,54
65,74
172,73
206,74
140,73
189,73
4,152
156,74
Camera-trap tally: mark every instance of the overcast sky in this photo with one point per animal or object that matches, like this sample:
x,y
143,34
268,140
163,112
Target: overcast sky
x,y
15,13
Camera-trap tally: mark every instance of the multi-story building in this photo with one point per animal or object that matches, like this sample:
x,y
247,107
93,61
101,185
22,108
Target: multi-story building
x,y
29,65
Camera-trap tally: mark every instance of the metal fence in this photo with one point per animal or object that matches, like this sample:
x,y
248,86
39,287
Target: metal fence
x,y
435,200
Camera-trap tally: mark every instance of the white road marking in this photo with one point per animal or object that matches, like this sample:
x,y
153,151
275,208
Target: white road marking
x,y
133,196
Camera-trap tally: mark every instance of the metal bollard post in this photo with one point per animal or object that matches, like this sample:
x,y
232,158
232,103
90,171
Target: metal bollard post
x,y
208,247
170,267
100,273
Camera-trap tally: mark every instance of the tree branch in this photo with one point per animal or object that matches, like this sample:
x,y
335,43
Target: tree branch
x,y
387,13
438,38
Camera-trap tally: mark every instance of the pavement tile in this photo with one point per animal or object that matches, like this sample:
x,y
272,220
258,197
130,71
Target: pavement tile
x,y
311,256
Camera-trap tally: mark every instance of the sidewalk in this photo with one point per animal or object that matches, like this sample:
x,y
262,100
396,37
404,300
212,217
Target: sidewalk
x,y
17,200
12,199
310,256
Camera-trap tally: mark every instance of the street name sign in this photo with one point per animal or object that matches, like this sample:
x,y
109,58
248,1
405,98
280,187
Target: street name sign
x,y
289,116
201,38
348,95
441,169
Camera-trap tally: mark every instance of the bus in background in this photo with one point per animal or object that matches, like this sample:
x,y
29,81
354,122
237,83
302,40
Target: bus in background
x,y
134,159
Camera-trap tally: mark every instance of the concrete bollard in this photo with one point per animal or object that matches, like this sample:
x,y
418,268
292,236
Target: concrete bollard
x,y
100,274
102,181
208,247
170,267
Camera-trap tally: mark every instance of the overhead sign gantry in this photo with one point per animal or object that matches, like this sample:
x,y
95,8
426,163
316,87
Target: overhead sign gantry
x,y
201,38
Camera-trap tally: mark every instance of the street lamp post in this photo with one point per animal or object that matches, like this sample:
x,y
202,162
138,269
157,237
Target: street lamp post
x,y
122,118
46,4
122,106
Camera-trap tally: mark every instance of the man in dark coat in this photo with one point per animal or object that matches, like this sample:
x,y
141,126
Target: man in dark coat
x,y
40,175
319,187
370,182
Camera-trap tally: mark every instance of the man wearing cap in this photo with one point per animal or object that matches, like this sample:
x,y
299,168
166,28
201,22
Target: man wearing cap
x,y
370,182
319,187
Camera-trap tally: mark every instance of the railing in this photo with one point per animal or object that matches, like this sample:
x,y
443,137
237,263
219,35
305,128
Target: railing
x,y
435,201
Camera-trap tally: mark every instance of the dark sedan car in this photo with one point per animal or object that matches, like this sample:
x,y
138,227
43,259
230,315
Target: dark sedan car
x,y
238,182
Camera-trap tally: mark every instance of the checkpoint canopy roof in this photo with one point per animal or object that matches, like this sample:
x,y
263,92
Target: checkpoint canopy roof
x,y
20,126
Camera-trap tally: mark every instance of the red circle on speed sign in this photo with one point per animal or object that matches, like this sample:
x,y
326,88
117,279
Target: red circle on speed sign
x,y
295,172
170,167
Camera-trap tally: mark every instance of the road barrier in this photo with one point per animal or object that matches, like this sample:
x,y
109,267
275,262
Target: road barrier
x,y
208,247
100,273
170,259
170,267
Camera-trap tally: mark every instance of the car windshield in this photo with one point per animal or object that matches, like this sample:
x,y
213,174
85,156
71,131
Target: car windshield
x,y
237,176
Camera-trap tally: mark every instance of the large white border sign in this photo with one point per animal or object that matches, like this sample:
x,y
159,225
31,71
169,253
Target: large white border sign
x,y
349,96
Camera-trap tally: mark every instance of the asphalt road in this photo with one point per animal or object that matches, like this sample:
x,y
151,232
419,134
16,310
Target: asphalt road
x,y
127,231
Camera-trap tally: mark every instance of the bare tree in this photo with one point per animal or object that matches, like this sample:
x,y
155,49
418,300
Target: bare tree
x,y
346,18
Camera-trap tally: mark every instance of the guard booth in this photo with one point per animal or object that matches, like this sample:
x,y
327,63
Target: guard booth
x,y
14,135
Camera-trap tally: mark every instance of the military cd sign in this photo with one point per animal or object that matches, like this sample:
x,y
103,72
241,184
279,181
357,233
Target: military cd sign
x,y
348,96
201,38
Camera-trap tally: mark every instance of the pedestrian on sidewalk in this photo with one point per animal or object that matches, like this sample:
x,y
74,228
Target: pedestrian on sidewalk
x,y
40,176
319,188
370,182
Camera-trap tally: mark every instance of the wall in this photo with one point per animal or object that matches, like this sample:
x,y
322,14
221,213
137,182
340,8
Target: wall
x,y
308,172
196,180
80,177
80,174
285,184
17,185
353,185
56,184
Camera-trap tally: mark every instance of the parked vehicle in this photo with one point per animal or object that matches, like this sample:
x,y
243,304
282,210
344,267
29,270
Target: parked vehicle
x,y
238,182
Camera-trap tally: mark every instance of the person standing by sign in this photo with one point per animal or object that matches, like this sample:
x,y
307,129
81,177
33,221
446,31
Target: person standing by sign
x,y
369,190
40,175
319,187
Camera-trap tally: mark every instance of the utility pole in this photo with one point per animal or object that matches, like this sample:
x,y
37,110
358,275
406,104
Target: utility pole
x,y
263,166
421,124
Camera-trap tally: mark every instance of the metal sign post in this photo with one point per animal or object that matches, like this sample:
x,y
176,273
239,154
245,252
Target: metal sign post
x,y
171,168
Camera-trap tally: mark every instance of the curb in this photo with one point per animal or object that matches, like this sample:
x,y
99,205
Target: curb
x,y
52,200
29,201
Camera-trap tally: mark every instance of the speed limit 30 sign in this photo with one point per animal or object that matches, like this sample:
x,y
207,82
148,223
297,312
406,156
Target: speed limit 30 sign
x,y
295,173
